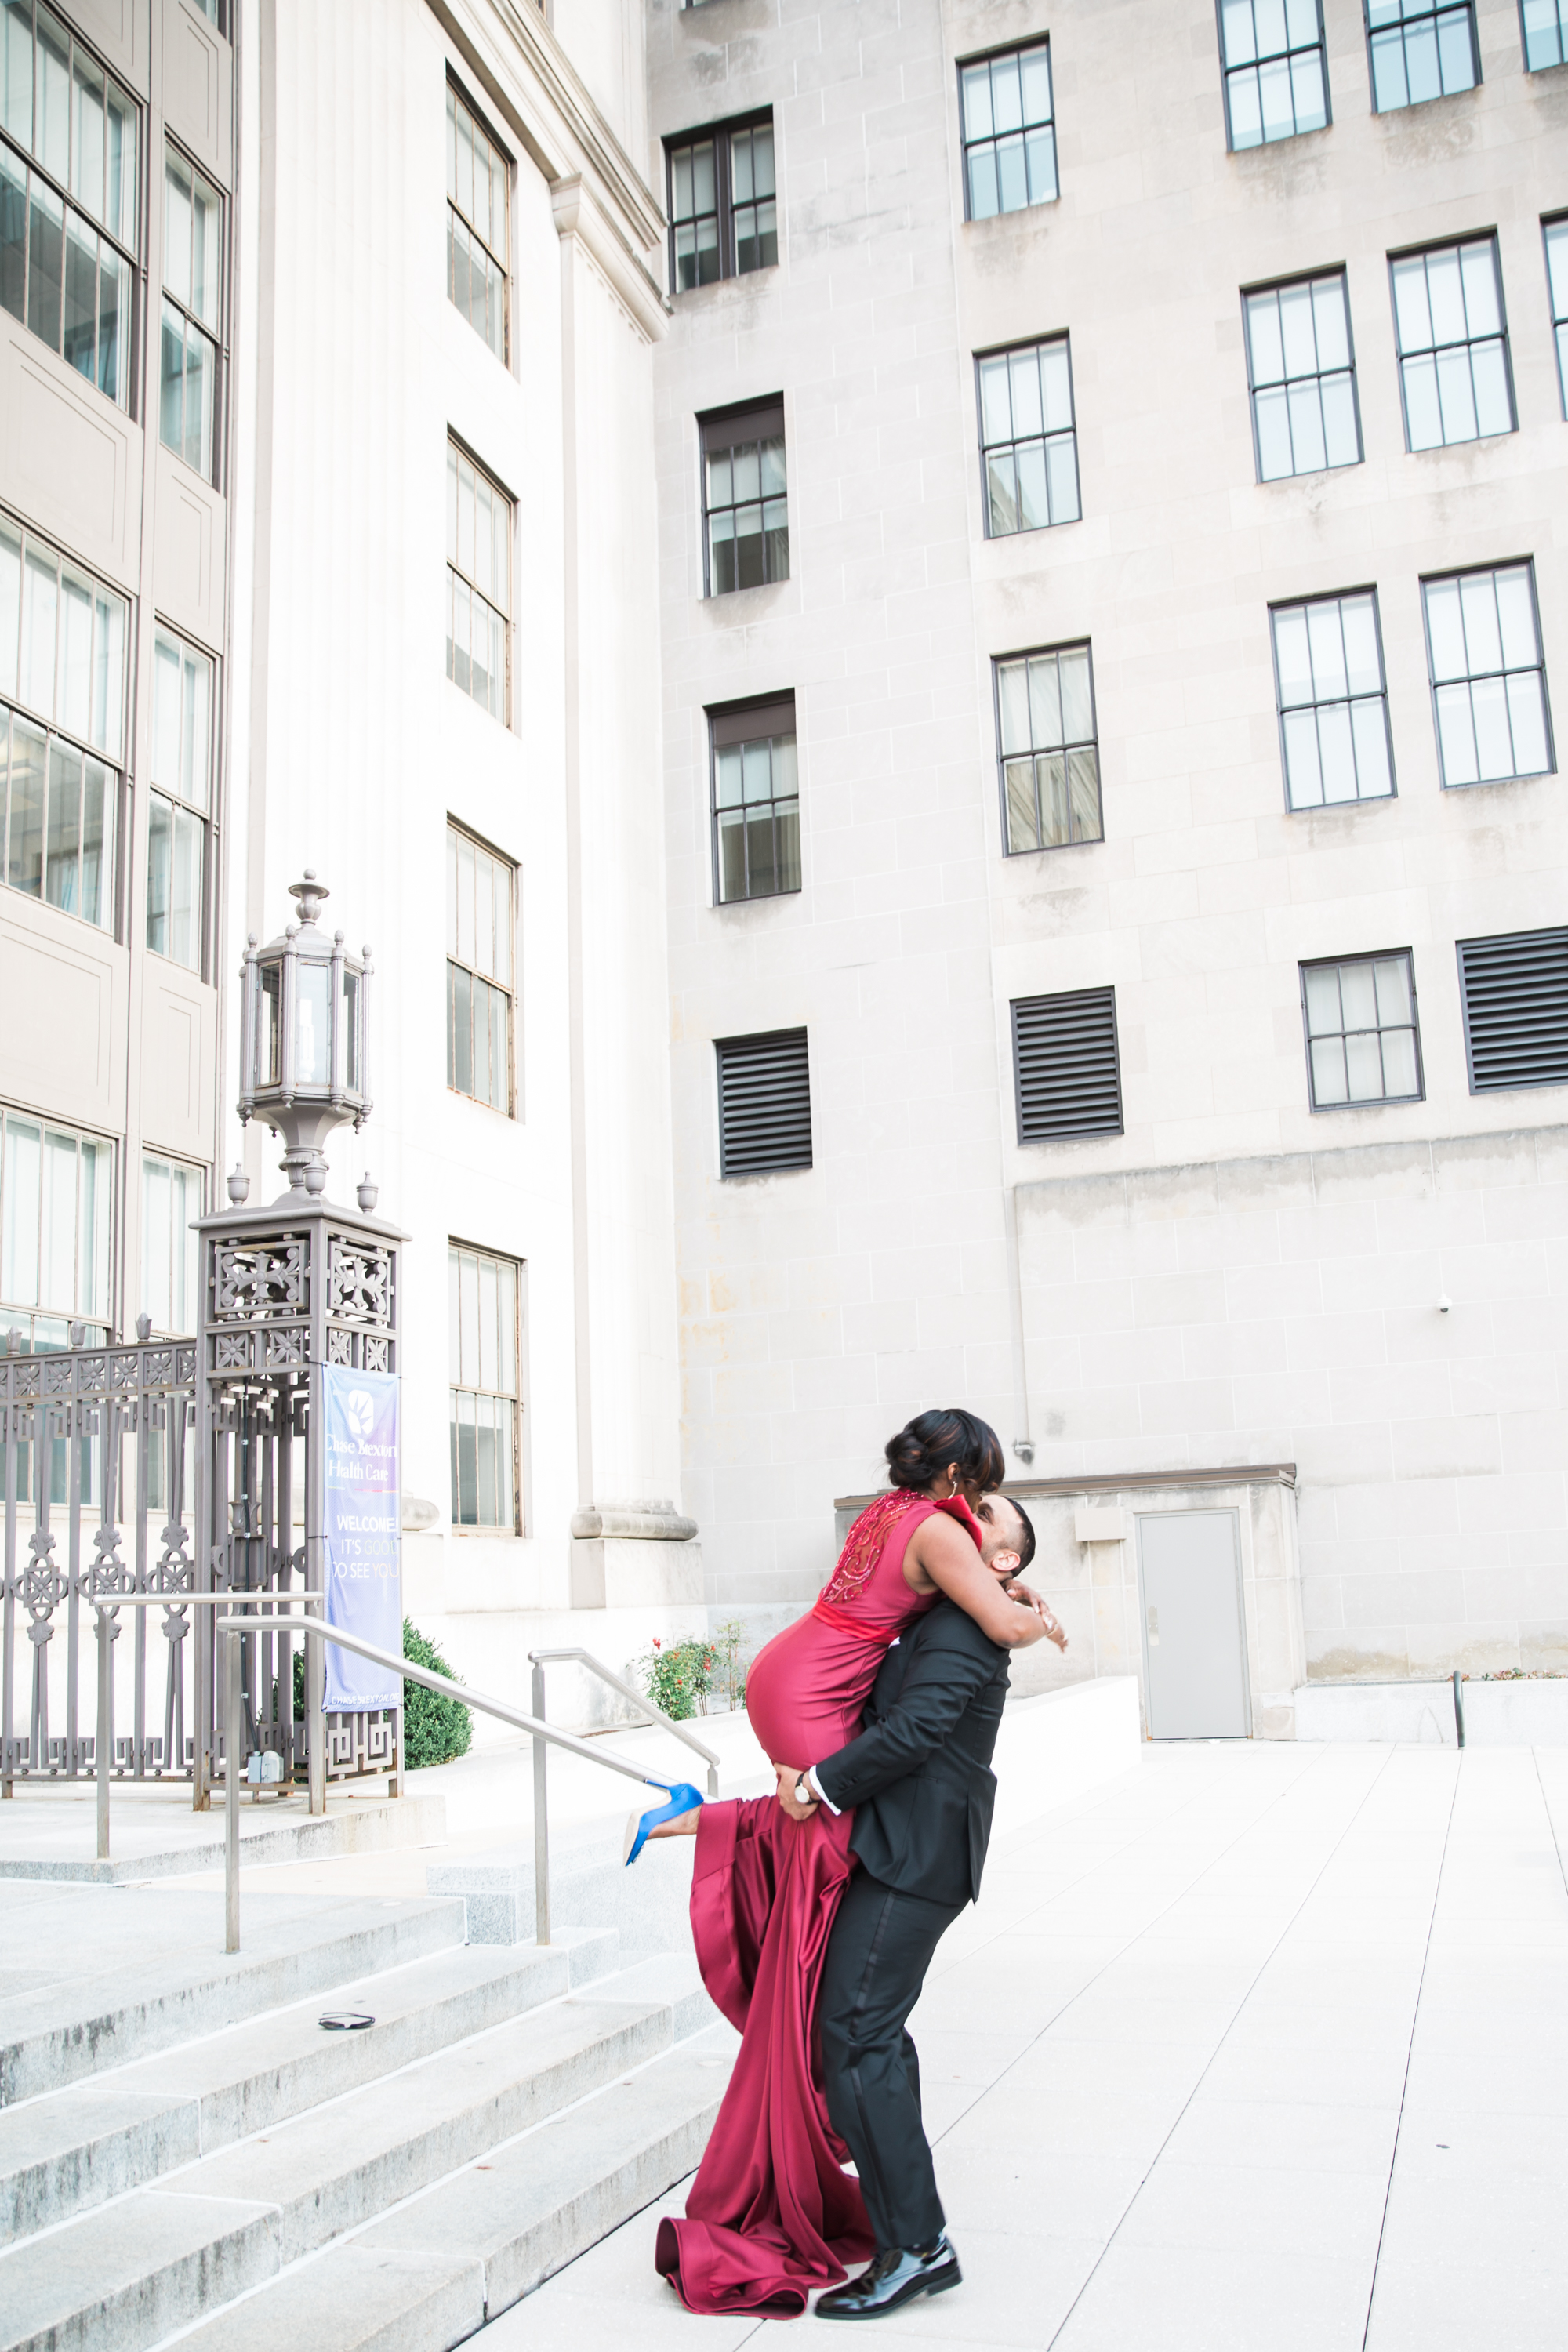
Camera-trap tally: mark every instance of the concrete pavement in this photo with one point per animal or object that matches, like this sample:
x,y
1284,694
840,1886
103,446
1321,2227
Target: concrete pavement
x,y
1261,2046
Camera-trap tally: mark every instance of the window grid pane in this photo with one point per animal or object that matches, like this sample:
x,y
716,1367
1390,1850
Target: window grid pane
x,y
1276,82
484,1393
756,818
479,970
1302,377
723,204
1028,438
1363,1040
1420,51
171,1200
746,512
1488,676
192,315
479,583
478,184
68,219
1545,24
57,1209
1454,367
1333,713
1009,132
1050,751
1556,235
62,652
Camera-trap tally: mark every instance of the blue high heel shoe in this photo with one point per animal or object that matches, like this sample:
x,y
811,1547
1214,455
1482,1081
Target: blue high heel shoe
x,y
683,1798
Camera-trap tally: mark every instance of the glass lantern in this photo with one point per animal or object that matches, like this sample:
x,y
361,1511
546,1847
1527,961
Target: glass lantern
x,y
303,1062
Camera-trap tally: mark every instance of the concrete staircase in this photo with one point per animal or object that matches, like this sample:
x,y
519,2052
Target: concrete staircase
x,y
189,2152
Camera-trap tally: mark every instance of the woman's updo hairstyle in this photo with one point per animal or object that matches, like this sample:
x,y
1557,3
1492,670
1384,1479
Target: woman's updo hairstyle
x,y
922,1450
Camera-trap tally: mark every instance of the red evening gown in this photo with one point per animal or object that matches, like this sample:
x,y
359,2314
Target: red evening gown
x,y
772,2214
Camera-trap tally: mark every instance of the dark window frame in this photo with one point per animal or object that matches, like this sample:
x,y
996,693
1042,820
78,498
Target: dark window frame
x,y
727,1173
1473,571
1548,65
502,261
726,725
1420,253
1338,963
1032,653
1549,221
713,436
1063,996
519,1400
987,58
1226,72
1302,604
1005,351
1281,286
509,989
1492,940
1432,10
720,133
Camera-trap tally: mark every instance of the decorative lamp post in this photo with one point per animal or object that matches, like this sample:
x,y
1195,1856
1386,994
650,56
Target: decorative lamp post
x,y
304,1065
298,1364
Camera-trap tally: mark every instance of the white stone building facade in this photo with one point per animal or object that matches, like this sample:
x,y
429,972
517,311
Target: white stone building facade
x,y
1063,1148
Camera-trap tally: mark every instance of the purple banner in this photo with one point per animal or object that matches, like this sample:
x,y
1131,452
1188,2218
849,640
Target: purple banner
x,y
365,1566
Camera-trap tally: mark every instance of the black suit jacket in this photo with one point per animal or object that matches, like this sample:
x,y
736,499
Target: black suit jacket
x,y
920,1775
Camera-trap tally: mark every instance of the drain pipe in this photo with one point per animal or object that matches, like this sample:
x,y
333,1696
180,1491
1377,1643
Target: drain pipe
x,y
1458,1709
1023,1443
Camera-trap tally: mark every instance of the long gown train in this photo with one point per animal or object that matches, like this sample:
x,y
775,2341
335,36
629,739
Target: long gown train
x,y
772,2215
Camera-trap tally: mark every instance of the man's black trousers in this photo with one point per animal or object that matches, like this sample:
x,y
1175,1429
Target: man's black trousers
x,y
878,1956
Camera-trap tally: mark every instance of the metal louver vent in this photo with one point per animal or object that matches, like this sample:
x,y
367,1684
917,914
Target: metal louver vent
x,y
1514,991
1065,1058
764,1103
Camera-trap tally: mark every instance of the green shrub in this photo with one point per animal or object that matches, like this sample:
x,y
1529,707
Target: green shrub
x,y
435,1728
676,1674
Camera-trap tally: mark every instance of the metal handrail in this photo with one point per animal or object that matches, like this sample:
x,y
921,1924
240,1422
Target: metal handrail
x,y
539,1660
442,1684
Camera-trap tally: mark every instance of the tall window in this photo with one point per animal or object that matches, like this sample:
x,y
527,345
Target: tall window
x,y
1276,83
479,583
764,1103
1556,235
478,180
482,1293
745,500
1514,992
1363,1044
180,804
1420,51
1453,344
68,197
1028,442
56,1214
1067,1065
192,296
479,971
62,727
171,1201
1544,24
1333,704
756,801
723,204
1301,372
1050,752
1009,132
1489,677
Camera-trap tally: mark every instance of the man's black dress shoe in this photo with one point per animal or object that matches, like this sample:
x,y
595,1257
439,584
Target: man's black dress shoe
x,y
895,2278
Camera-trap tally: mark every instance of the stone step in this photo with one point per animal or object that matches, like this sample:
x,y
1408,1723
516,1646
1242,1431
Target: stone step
x,y
71,2026
449,2261
56,1842
73,2148
118,2278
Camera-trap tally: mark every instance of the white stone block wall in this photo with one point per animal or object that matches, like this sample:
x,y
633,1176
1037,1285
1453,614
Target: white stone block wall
x,y
1265,1288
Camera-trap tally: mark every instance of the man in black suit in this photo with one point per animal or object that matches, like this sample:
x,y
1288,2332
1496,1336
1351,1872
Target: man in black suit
x,y
918,1776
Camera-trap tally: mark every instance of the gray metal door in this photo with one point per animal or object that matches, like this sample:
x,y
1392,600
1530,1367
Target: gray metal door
x,y
1194,1649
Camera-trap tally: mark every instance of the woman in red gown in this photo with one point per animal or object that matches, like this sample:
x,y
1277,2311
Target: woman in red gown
x,y
772,2215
